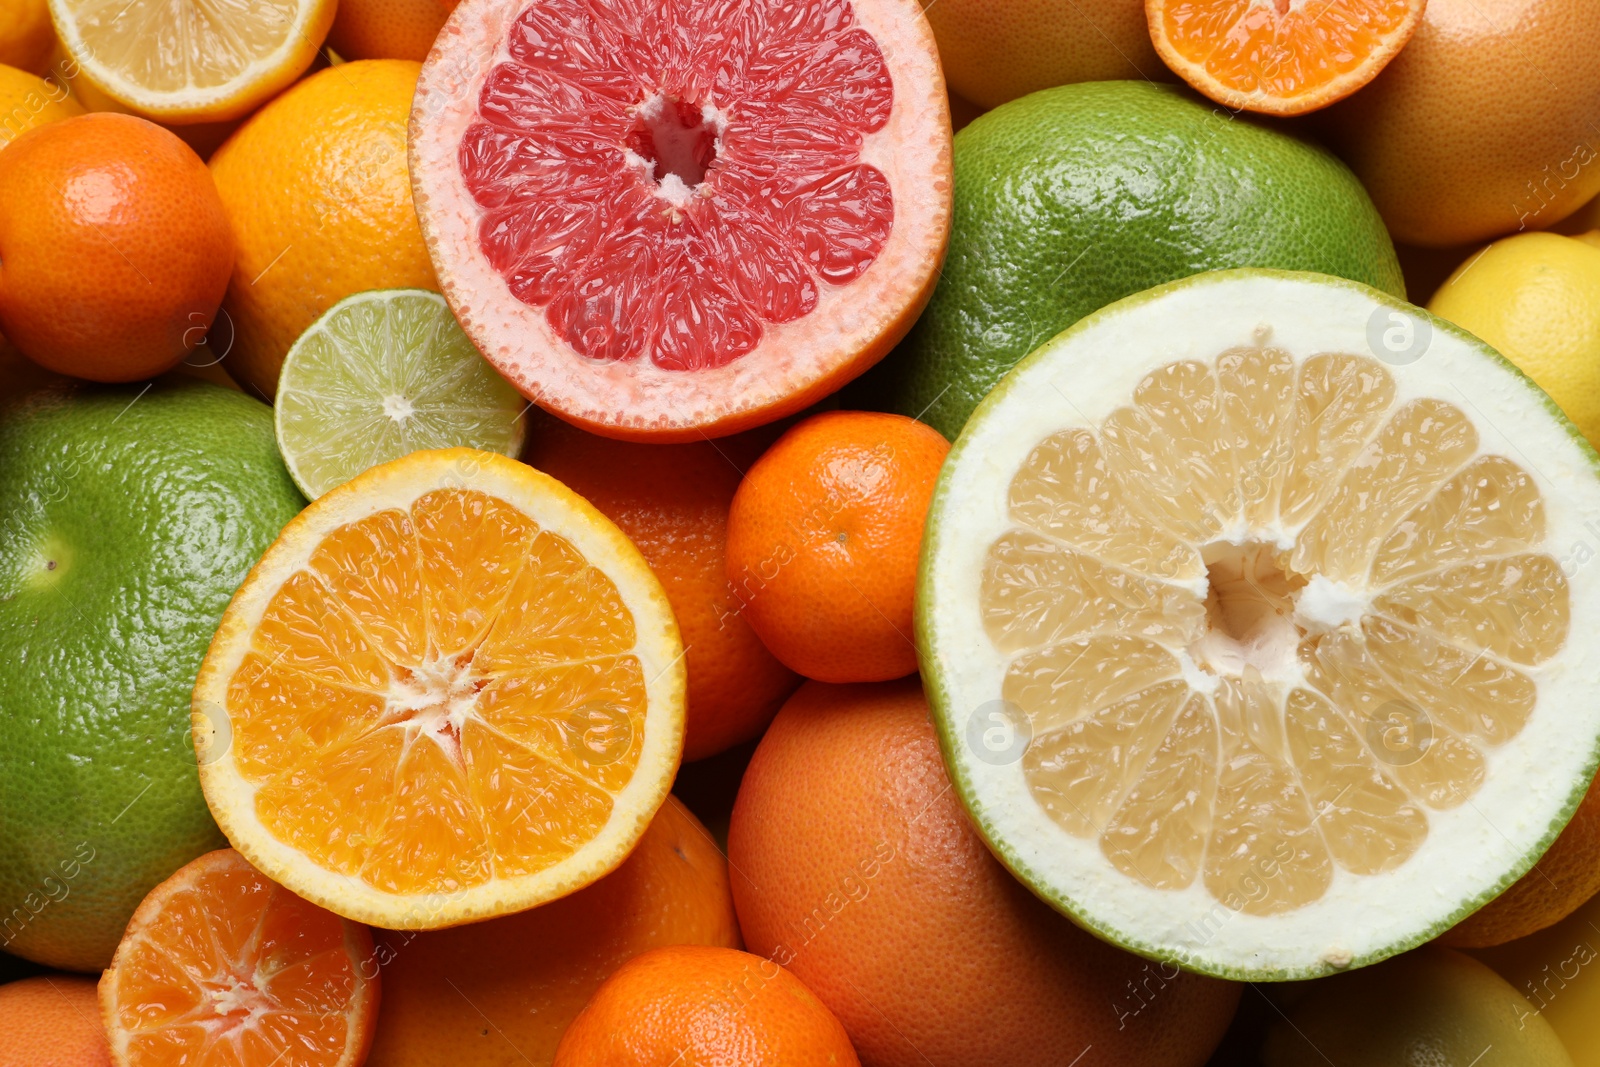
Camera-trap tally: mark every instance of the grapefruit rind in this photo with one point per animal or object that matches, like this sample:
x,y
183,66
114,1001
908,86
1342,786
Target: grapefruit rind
x,y
1473,852
554,508
798,362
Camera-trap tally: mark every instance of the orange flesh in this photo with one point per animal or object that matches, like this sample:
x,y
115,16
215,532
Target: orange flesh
x,y
234,970
1374,590
1283,48
443,696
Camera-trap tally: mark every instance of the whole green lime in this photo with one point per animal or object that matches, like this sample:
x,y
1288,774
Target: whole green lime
x,y
1071,198
1428,1008
127,519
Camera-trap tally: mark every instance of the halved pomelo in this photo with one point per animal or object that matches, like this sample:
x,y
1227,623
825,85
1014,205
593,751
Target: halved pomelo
x,y
450,690
1256,612
676,218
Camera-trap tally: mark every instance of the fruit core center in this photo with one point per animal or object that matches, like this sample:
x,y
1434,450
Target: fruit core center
x,y
235,1001
398,408
674,142
1250,611
435,699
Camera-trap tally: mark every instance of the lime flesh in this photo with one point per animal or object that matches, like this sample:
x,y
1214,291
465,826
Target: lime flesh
x,y
381,375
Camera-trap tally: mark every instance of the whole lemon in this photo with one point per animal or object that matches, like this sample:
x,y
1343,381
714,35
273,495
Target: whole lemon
x,y
1536,298
319,193
1558,971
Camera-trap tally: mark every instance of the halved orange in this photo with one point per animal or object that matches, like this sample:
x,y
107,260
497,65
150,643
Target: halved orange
x,y
219,967
451,690
1280,57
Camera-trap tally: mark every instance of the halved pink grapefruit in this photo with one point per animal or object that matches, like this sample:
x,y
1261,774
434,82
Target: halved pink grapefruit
x,y
669,219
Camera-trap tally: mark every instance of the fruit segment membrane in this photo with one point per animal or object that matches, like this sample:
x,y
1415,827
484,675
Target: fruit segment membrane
x,y
237,970
1281,47
1265,618
444,695
670,180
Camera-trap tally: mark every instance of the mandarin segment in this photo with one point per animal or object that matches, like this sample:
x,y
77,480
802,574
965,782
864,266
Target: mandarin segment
x,y
333,807
560,610
538,814
434,840
584,717
304,628
472,548
372,567
293,716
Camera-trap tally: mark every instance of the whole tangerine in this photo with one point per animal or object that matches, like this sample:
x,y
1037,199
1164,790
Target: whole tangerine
x,y
51,1021
823,540
115,250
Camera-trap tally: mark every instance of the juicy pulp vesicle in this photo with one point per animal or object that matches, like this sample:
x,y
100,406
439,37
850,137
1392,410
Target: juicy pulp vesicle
x,y
443,695
1184,710
667,179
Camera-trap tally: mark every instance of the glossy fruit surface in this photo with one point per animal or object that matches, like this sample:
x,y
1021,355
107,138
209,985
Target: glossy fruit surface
x,y
1483,125
823,539
1280,59
450,690
854,866
531,973
114,248
220,967
672,501
698,1004
134,513
316,187
689,222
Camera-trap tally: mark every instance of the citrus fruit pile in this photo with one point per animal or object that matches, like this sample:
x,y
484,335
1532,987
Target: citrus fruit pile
x,y
771,533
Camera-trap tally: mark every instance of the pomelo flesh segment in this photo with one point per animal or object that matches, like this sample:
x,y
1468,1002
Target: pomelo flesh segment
x,y
663,190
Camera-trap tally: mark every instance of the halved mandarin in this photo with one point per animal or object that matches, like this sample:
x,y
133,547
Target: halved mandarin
x,y
451,690
1281,57
220,967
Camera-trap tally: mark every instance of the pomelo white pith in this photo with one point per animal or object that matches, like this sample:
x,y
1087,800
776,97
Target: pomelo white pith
x,y
1256,611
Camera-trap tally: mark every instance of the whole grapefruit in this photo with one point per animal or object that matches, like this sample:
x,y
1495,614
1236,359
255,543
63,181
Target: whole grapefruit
x,y
1483,125
855,867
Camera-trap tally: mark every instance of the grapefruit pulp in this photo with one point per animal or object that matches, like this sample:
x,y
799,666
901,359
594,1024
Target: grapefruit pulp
x,y
685,218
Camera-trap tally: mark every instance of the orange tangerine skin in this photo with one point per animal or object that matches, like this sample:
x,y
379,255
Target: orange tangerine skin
x,y
672,501
51,1021
533,972
823,540
693,1004
388,29
856,867
115,250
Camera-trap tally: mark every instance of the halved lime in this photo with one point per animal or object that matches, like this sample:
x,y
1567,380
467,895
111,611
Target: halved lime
x,y
381,375
1256,613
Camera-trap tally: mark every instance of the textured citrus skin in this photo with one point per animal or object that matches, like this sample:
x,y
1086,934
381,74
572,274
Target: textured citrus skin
x,y
1483,125
855,866
1564,878
530,974
51,1021
997,50
151,508
320,199
26,35
695,1004
1078,196
1536,298
672,501
114,249
388,29
1427,1006
27,100
823,540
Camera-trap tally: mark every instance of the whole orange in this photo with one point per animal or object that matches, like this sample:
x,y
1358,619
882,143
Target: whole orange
x,y
500,993
1483,125
672,501
697,1005
319,193
1563,880
114,247
388,29
856,868
823,540
52,1021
